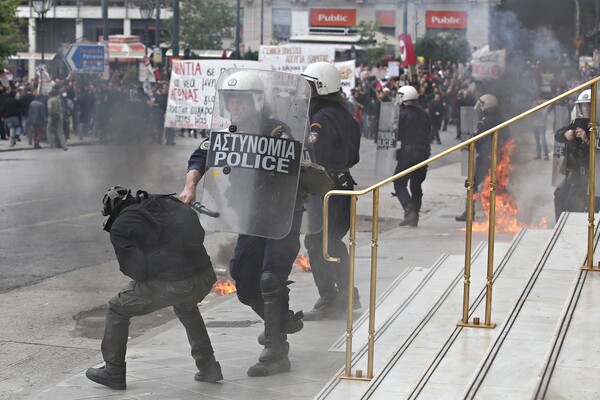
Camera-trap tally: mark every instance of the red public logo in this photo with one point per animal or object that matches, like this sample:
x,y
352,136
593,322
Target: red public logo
x,y
446,19
332,17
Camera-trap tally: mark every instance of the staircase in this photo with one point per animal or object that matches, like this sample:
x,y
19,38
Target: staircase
x,y
543,345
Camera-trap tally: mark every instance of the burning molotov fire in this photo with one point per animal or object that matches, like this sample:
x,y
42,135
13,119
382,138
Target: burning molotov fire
x,y
507,211
302,262
223,287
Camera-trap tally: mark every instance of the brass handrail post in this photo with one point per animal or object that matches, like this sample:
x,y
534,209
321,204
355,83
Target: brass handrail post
x,y
373,288
350,303
468,235
592,181
491,232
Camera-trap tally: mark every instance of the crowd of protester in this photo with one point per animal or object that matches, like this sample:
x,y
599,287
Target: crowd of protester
x,y
116,112
106,110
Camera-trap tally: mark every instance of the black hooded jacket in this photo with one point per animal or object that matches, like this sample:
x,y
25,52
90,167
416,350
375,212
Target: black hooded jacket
x,y
144,253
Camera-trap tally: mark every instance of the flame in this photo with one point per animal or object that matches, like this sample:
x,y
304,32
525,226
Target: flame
x,y
507,210
223,287
302,262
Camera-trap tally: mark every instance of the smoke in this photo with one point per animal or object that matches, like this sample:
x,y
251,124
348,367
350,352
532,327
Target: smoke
x,y
530,55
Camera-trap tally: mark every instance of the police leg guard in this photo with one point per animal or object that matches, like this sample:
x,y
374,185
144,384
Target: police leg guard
x,y
273,358
257,305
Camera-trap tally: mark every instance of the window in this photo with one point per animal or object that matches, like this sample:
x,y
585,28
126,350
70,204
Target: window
x,y
282,23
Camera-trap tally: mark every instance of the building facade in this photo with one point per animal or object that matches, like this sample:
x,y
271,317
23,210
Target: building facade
x,y
262,22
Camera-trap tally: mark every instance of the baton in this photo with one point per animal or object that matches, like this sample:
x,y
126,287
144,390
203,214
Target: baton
x,y
203,210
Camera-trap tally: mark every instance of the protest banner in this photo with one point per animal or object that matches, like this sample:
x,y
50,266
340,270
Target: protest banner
x,y
347,73
294,58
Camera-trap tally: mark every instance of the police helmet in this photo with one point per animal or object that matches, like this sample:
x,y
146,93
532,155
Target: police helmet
x,y
408,95
324,76
486,103
243,84
582,104
112,197
584,97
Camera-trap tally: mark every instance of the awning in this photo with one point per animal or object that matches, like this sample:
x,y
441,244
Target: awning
x,y
202,53
126,52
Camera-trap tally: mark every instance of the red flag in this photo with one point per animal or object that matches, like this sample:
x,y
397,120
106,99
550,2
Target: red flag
x,y
407,51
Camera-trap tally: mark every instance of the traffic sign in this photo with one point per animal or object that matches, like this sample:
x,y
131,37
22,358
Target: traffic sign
x,y
85,58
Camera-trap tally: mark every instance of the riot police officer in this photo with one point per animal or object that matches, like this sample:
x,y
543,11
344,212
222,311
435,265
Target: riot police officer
x,y
260,266
335,140
571,194
414,135
489,117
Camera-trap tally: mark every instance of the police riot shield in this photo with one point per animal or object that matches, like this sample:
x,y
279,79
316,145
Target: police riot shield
x,y
562,117
469,117
312,219
259,126
385,158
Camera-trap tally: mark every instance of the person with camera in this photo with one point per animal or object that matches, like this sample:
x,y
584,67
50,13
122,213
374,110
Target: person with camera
x,y
571,194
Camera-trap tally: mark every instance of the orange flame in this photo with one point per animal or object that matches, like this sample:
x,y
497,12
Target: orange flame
x,y
223,287
302,262
507,210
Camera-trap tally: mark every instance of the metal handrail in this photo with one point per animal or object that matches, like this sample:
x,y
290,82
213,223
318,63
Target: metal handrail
x,y
470,191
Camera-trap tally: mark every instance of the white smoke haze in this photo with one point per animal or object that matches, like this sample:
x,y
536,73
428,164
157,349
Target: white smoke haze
x,y
529,53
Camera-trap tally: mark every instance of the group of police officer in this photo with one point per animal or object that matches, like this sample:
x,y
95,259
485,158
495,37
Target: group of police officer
x,y
251,168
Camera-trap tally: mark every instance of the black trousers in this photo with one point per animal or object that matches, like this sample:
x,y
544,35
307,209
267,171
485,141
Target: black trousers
x,y
141,298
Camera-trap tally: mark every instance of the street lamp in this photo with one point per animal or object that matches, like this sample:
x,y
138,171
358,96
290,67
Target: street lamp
x,y
41,7
146,11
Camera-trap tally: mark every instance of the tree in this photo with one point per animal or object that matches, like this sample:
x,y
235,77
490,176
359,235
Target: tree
x,y
444,46
204,23
10,34
375,52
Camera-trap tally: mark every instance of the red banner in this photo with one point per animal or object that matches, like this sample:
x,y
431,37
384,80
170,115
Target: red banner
x,y
407,51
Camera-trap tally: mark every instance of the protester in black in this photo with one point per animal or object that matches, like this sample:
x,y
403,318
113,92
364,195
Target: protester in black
x,y
164,255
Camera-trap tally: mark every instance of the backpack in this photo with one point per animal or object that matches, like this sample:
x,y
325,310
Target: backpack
x,y
177,223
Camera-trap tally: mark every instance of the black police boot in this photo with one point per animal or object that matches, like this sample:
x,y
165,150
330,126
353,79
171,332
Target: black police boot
x,y
210,373
273,358
344,300
101,376
411,216
463,217
327,307
294,324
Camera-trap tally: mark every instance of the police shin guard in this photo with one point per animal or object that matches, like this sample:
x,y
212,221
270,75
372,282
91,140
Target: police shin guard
x,y
411,216
274,357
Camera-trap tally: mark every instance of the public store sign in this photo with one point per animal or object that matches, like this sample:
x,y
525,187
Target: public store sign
x,y
332,17
192,91
445,20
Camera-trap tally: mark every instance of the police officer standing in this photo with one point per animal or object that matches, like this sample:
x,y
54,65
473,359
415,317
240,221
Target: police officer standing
x,y
414,135
571,194
260,266
335,139
169,267
489,117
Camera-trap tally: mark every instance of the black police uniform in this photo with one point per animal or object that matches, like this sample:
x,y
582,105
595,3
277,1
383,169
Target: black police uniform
x,y
165,273
483,149
571,194
260,268
414,135
336,136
